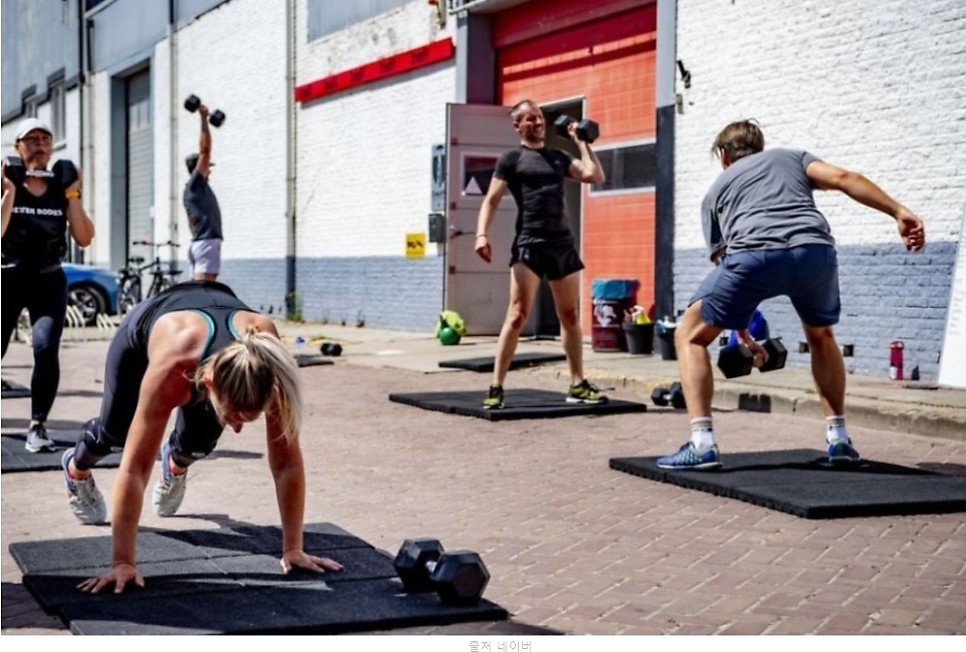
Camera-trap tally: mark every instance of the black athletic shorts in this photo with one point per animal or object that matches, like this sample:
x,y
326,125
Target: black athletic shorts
x,y
552,261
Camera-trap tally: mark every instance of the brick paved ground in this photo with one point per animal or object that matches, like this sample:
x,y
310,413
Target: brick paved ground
x,y
572,546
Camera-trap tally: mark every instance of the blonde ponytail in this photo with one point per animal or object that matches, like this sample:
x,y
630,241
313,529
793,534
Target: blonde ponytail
x,y
251,374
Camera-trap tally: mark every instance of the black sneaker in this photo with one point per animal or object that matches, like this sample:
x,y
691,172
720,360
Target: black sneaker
x,y
38,441
585,392
494,398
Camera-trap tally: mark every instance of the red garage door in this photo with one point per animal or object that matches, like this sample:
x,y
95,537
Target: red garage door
x,y
600,56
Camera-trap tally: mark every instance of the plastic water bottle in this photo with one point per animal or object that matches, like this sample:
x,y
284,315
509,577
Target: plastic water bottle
x,y
895,359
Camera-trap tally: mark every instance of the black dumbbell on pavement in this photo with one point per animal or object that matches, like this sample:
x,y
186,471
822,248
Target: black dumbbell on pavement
x,y
457,576
738,360
587,130
63,172
673,396
216,117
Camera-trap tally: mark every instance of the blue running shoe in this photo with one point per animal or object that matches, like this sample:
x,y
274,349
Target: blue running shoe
x,y
688,457
840,451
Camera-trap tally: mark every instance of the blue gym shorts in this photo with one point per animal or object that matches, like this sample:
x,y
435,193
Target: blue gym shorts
x,y
808,275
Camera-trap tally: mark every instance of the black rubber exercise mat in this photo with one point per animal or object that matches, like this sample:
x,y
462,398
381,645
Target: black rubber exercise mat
x,y
228,581
520,360
14,457
518,404
14,390
803,483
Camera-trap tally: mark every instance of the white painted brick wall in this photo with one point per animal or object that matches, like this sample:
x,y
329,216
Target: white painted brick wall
x,y
71,137
166,198
233,58
364,154
98,177
874,85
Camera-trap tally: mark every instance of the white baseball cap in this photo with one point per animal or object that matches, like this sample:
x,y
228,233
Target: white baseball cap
x,y
32,124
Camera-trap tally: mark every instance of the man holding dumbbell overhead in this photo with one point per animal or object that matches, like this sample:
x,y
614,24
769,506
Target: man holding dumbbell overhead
x,y
544,245
40,206
767,239
201,205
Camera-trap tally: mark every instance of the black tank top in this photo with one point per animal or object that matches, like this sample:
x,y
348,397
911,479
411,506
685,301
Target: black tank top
x,y
36,238
212,300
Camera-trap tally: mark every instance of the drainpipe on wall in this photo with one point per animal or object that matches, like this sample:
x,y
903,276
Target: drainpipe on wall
x,y
664,178
173,199
81,98
293,304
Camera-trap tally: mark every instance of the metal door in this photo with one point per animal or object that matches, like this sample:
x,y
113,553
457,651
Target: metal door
x,y
476,135
140,178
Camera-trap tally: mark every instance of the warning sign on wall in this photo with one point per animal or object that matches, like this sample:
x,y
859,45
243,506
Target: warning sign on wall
x,y
415,245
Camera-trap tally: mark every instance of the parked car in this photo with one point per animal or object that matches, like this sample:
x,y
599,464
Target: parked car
x,y
91,290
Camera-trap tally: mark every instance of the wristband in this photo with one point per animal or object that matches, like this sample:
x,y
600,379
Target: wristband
x,y
481,235
73,194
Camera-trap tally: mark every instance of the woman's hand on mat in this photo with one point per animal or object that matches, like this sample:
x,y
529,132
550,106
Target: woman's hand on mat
x,y
120,576
302,559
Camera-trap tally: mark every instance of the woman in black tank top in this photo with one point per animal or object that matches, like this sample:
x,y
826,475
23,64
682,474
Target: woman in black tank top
x,y
38,212
196,350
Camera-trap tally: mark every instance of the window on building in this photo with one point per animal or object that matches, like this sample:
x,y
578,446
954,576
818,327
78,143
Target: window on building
x,y
58,111
326,17
628,167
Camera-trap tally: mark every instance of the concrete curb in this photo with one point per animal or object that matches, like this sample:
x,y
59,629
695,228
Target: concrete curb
x,y
907,418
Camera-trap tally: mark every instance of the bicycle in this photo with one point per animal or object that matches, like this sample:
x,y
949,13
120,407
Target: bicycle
x,y
129,277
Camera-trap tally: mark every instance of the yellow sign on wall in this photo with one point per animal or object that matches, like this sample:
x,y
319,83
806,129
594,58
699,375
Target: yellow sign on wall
x,y
415,245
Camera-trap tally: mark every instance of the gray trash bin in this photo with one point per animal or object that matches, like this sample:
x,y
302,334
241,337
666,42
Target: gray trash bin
x,y
664,331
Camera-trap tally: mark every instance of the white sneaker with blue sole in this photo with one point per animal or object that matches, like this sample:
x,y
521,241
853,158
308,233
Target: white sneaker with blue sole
x,y
85,499
169,492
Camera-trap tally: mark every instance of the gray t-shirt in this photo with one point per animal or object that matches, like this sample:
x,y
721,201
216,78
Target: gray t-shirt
x,y
204,216
764,201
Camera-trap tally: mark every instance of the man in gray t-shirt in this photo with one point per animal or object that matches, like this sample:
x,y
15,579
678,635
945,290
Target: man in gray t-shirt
x,y
201,205
767,239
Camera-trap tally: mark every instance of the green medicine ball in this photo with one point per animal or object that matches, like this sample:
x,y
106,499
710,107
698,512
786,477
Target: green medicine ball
x,y
448,336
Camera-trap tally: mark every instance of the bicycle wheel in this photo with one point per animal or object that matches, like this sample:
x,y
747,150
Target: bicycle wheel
x,y
129,295
157,285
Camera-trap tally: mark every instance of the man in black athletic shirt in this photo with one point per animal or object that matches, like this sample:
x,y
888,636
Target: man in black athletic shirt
x,y
543,246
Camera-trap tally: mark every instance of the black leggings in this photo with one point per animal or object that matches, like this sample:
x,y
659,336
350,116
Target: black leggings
x,y
45,296
196,431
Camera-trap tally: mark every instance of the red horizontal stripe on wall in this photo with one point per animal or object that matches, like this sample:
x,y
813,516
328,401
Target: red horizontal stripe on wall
x,y
396,64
